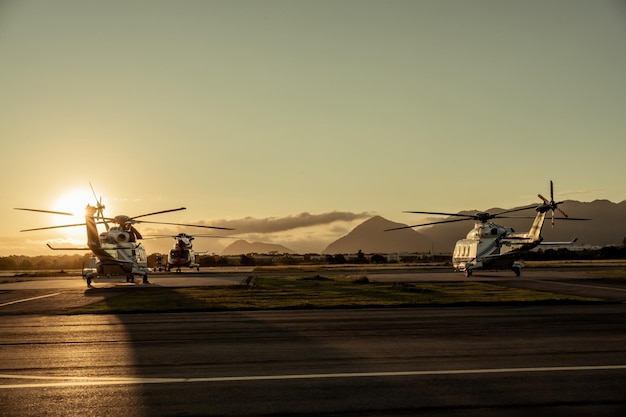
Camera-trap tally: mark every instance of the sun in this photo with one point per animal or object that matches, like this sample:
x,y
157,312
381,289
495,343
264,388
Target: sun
x,y
73,201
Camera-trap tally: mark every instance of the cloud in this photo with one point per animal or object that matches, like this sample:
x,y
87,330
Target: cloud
x,y
282,224
290,231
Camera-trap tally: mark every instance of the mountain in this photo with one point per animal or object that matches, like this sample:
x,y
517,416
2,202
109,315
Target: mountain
x,y
370,237
606,227
240,247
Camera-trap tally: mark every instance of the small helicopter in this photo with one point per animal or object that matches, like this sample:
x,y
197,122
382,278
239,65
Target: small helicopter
x,y
116,250
182,254
490,246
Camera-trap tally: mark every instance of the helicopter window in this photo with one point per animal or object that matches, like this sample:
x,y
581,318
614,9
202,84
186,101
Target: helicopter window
x,y
494,231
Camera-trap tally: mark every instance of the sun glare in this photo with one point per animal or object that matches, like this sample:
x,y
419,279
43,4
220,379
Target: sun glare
x,y
73,202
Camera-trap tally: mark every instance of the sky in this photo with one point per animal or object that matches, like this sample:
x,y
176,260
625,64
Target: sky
x,y
296,120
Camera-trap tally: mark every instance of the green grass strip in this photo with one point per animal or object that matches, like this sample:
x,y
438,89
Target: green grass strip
x,y
311,292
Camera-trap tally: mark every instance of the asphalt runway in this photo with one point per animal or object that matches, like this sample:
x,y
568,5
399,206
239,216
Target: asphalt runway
x,y
557,360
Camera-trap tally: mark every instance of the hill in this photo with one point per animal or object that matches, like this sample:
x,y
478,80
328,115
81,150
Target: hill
x,y
240,247
606,227
370,237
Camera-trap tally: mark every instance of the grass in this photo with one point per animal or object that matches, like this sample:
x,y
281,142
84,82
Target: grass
x,y
309,292
614,274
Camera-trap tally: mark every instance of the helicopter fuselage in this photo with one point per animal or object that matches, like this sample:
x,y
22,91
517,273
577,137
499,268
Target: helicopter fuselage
x,y
182,255
491,246
116,251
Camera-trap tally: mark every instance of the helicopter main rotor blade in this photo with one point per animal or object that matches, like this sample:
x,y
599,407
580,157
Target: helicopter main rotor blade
x,y
58,227
212,236
53,248
428,224
147,237
46,211
53,227
188,225
516,217
440,214
158,212
531,206
473,216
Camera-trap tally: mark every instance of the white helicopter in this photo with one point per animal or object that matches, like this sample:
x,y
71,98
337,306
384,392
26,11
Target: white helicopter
x,y
182,254
116,250
490,246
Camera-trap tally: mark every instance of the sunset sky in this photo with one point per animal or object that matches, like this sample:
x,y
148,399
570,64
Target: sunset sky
x,y
297,120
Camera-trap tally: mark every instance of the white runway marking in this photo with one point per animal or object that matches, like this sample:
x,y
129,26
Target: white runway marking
x,y
29,299
59,381
571,284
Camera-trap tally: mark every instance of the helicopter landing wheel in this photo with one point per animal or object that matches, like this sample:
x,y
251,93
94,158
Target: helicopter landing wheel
x,y
517,271
198,269
130,278
468,273
88,282
145,280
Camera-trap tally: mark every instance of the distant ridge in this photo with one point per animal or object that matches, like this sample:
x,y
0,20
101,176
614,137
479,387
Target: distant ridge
x,y
242,247
370,237
606,227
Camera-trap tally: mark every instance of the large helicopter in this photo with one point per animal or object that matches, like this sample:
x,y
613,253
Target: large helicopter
x,y
490,246
183,254
116,250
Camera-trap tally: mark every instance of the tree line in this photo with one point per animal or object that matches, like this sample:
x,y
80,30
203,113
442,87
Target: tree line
x,y
58,262
68,262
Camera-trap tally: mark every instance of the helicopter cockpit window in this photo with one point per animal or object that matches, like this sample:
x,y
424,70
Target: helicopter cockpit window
x,y
494,231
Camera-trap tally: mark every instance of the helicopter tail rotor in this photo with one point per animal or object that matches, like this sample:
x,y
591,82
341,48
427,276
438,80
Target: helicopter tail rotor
x,y
99,208
551,204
